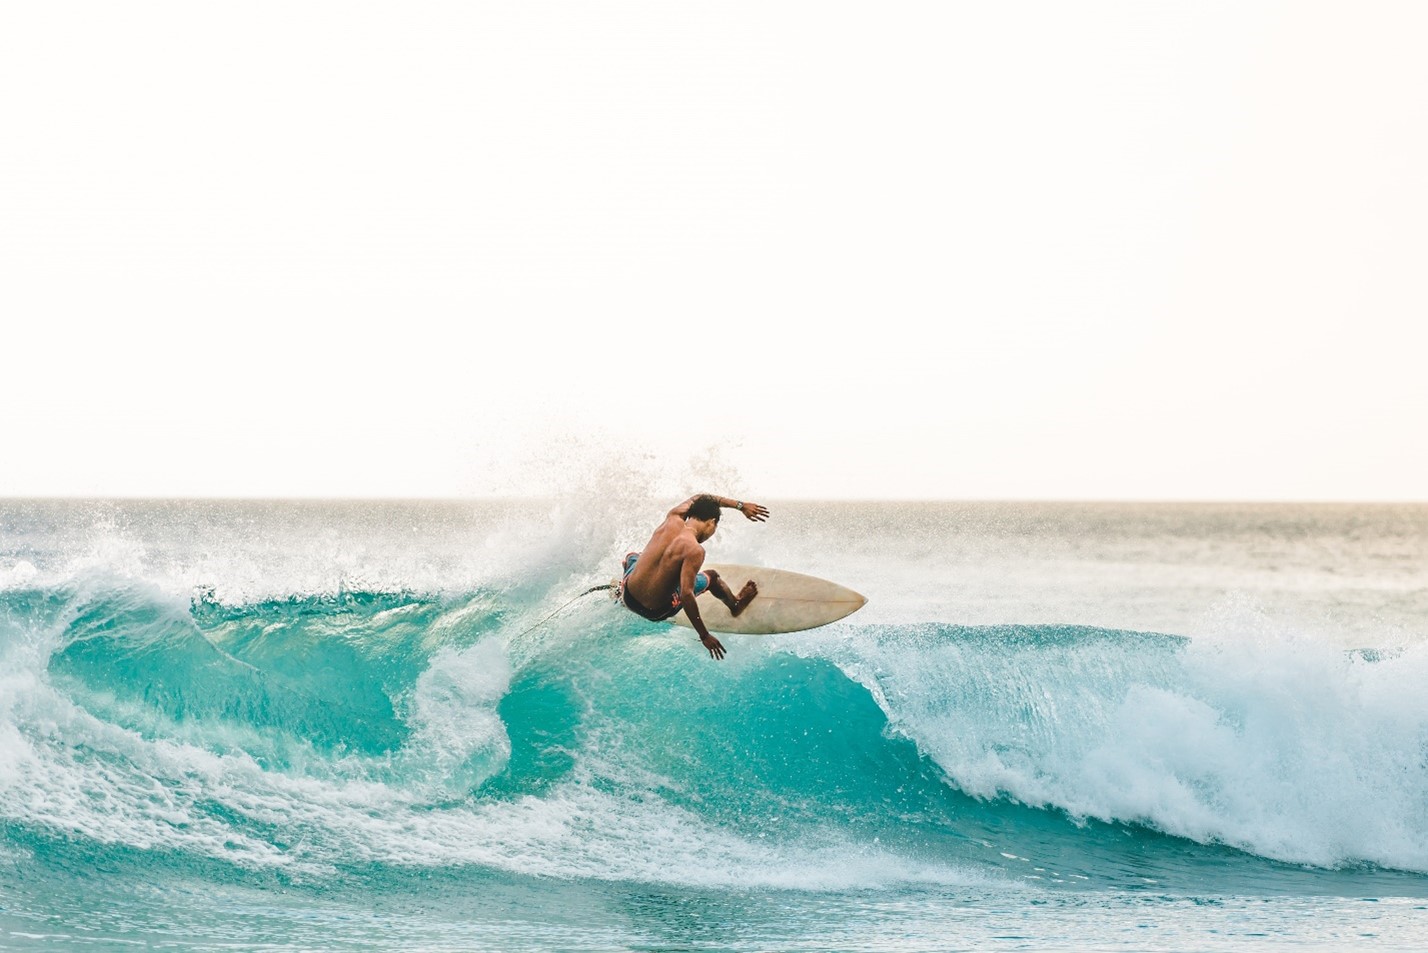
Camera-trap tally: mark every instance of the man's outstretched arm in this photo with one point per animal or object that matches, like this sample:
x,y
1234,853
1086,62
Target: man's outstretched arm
x,y
752,511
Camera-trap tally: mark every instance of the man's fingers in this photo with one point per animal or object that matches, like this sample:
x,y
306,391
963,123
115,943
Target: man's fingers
x,y
756,512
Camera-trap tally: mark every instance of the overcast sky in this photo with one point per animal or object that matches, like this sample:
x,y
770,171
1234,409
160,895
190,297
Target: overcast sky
x,y
931,250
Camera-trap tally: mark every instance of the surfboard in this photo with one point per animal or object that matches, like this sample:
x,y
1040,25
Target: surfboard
x,y
787,602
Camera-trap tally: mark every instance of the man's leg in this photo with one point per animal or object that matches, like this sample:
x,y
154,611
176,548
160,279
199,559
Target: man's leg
x,y
726,595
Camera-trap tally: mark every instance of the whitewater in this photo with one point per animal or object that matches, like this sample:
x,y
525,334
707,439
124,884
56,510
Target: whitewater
x,y
379,725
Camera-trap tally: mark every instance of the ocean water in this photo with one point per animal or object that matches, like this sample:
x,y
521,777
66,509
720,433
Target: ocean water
x,y
380,726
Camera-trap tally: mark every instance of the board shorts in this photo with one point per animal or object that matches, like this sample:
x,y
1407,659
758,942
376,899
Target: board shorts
x,y
701,583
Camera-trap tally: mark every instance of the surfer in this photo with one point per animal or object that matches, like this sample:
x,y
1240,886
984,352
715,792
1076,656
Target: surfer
x,y
665,576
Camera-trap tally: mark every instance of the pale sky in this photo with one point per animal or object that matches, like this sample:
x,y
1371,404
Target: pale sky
x,y
892,250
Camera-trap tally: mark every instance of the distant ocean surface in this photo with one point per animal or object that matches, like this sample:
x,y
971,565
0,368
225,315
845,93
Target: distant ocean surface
x,y
344,726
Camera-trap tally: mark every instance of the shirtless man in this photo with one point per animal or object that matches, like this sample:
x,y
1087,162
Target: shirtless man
x,y
665,577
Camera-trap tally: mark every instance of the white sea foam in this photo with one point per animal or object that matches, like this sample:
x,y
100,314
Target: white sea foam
x,y
458,738
1284,747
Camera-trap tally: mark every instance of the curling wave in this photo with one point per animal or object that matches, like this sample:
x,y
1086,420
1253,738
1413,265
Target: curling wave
x,y
363,730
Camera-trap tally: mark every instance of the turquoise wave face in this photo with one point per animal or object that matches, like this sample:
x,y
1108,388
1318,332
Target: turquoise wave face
x,y
372,735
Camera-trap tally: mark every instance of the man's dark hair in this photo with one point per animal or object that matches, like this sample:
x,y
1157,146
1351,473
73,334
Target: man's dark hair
x,y
704,507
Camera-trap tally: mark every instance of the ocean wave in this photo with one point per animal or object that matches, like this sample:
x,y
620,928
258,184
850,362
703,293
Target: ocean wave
x,y
322,732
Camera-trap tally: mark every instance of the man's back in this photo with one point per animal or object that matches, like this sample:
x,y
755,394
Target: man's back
x,y
656,574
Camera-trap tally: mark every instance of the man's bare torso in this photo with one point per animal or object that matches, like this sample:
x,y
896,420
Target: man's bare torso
x,y
656,575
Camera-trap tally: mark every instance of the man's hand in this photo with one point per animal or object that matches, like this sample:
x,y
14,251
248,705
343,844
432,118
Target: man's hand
x,y
754,512
715,647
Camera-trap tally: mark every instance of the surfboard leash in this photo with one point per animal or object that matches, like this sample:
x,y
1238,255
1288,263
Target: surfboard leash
x,y
602,588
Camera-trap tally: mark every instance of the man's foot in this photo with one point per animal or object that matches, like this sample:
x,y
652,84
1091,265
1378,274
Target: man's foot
x,y
745,596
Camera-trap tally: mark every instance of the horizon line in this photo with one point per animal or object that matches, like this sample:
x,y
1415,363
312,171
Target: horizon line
x,y
313,498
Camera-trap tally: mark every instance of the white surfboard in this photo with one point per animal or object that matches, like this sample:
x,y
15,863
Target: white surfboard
x,y
787,602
